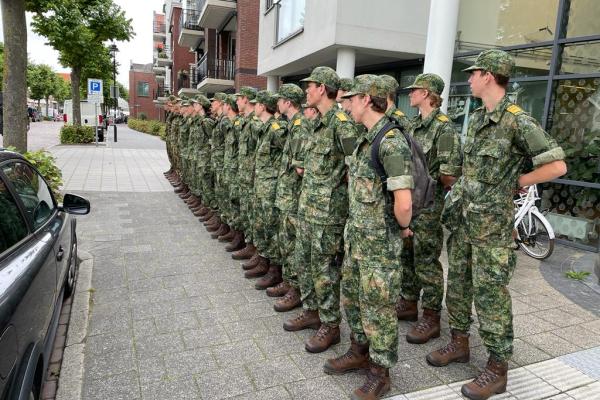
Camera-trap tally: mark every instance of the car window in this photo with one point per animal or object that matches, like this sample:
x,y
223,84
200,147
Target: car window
x,y
12,225
32,190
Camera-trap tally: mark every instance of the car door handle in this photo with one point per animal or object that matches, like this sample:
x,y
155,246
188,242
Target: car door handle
x,y
60,254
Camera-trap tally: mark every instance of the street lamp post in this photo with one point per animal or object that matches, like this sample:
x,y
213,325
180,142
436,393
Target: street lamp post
x,y
113,51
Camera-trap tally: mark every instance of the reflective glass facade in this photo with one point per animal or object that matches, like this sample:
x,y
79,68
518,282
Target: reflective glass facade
x,y
556,46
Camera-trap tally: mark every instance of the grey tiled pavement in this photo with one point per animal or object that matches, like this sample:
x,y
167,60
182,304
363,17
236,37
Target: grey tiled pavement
x,y
173,318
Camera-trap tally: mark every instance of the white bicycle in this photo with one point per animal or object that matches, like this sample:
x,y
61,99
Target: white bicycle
x,y
533,233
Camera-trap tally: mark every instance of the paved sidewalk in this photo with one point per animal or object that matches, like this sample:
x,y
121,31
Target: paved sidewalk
x,y
173,318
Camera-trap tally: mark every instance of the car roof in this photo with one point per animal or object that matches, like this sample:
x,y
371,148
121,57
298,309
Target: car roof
x,y
7,155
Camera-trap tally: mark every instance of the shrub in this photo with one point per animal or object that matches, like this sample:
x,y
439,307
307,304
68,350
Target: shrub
x,y
70,134
143,116
45,163
152,127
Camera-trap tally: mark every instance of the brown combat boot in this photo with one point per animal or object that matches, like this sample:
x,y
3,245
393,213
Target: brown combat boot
x,y
180,188
279,290
306,319
455,351
223,229
406,310
237,243
212,220
191,200
376,385
324,338
252,262
207,216
272,278
356,358
261,269
184,195
291,300
244,253
491,381
427,328
214,227
228,237
203,211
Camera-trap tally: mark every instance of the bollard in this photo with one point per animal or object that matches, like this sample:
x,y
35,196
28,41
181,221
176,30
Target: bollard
x,y
115,128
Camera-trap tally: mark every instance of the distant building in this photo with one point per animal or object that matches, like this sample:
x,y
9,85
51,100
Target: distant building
x,y
142,88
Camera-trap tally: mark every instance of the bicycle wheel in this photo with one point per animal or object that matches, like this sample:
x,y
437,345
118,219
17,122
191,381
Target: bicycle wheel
x,y
533,237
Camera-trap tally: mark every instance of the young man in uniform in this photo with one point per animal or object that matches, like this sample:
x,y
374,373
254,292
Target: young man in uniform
x,y
393,112
372,240
421,268
217,144
322,211
501,139
289,183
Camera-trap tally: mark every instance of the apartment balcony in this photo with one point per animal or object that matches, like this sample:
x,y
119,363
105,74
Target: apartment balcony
x,y
163,58
191,34
218,14
158,70
215,75
159,31
161,94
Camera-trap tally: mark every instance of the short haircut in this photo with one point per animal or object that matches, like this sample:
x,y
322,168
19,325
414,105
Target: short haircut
x,y
331,92
501,80
379,104
435,100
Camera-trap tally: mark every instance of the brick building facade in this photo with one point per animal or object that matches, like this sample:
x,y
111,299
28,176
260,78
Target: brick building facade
x,y
142,88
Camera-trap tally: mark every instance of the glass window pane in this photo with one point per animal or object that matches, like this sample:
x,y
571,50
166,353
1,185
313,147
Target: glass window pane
x,y
583,18
33,191
485,24
143,89
290,18
581,58
12,224
528,62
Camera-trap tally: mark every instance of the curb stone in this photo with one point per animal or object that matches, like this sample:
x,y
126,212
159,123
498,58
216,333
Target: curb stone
x,y
71,377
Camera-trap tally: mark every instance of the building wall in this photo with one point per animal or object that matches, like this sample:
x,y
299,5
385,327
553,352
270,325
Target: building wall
x,y
145,103
182,56
247,45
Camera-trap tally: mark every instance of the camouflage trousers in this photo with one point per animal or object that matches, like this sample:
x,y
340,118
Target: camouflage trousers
x,y
185,170
481,274
318,256
206,184
287,243
246,201
231,206
194,181
220,190
266,223
421,268
370,288
170,151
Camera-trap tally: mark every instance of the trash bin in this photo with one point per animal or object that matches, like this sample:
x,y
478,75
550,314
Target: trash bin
x,y
100,131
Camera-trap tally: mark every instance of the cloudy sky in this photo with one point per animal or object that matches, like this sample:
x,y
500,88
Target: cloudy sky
x,y
138,50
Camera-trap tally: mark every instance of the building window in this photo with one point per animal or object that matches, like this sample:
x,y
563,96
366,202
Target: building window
x,y
143,89
582,18
290,18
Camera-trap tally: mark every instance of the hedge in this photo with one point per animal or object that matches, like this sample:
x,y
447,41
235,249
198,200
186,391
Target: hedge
x,y
155,128
45,162
70,134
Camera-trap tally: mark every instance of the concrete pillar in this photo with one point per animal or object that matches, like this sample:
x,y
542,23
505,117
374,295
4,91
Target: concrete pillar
x,y
346,61
441,34
272,83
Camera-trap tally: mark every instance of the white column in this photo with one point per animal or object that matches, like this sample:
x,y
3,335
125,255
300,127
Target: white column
x,y
272,83
346,61
441,34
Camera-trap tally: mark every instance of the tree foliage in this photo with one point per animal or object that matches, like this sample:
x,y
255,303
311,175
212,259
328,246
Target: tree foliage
x,y
42,81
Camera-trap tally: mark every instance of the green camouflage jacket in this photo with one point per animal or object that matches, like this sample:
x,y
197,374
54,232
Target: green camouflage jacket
x,y
207,126
268,158
217,143
324,196
230,157
194,138
247,148
399,118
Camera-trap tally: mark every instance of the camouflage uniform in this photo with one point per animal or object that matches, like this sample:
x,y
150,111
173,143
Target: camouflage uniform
x,y
204,166
193,144
184,135
289,184
481,260
230,207
323,208
217,153
394,113
175,124
421,268
269,150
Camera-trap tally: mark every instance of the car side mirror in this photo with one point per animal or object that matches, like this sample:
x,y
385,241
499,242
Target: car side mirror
x,y
74,204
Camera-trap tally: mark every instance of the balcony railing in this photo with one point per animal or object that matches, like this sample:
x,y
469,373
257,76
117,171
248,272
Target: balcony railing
x,y
189,20
159,28
161,91
201,3
215,68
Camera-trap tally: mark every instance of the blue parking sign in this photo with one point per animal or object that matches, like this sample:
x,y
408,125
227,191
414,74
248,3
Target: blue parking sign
x,y
94,86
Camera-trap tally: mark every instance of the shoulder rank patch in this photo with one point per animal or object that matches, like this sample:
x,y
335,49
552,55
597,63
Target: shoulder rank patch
x,y
390,134
442,118
237,122
297,122
514,109
255,118
399,113
275,125
341,116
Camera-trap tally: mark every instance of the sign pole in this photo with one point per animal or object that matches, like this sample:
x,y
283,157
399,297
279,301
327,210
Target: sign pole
x,y
96,122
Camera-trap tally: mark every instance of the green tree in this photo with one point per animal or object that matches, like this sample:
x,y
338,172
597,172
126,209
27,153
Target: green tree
x,y
42,82
77,29
63,91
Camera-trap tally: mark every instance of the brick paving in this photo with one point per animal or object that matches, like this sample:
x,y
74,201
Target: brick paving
x,y
173,318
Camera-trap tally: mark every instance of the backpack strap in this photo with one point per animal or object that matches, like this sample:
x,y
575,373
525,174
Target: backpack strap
x,y
375,161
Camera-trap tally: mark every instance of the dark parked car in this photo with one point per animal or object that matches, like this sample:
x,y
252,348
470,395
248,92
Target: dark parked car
x,y
38,266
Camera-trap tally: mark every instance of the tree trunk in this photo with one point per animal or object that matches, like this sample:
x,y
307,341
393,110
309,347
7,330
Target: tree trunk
x,y
15,74
47,100
75,77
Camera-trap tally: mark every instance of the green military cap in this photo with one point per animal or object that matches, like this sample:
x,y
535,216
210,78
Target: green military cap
x,y
391,83
202,99
219,96
230,100
185,103
367,84
267,98
431,82
291,92
346,84
173,98
324,75
247,91
183,97
495,61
